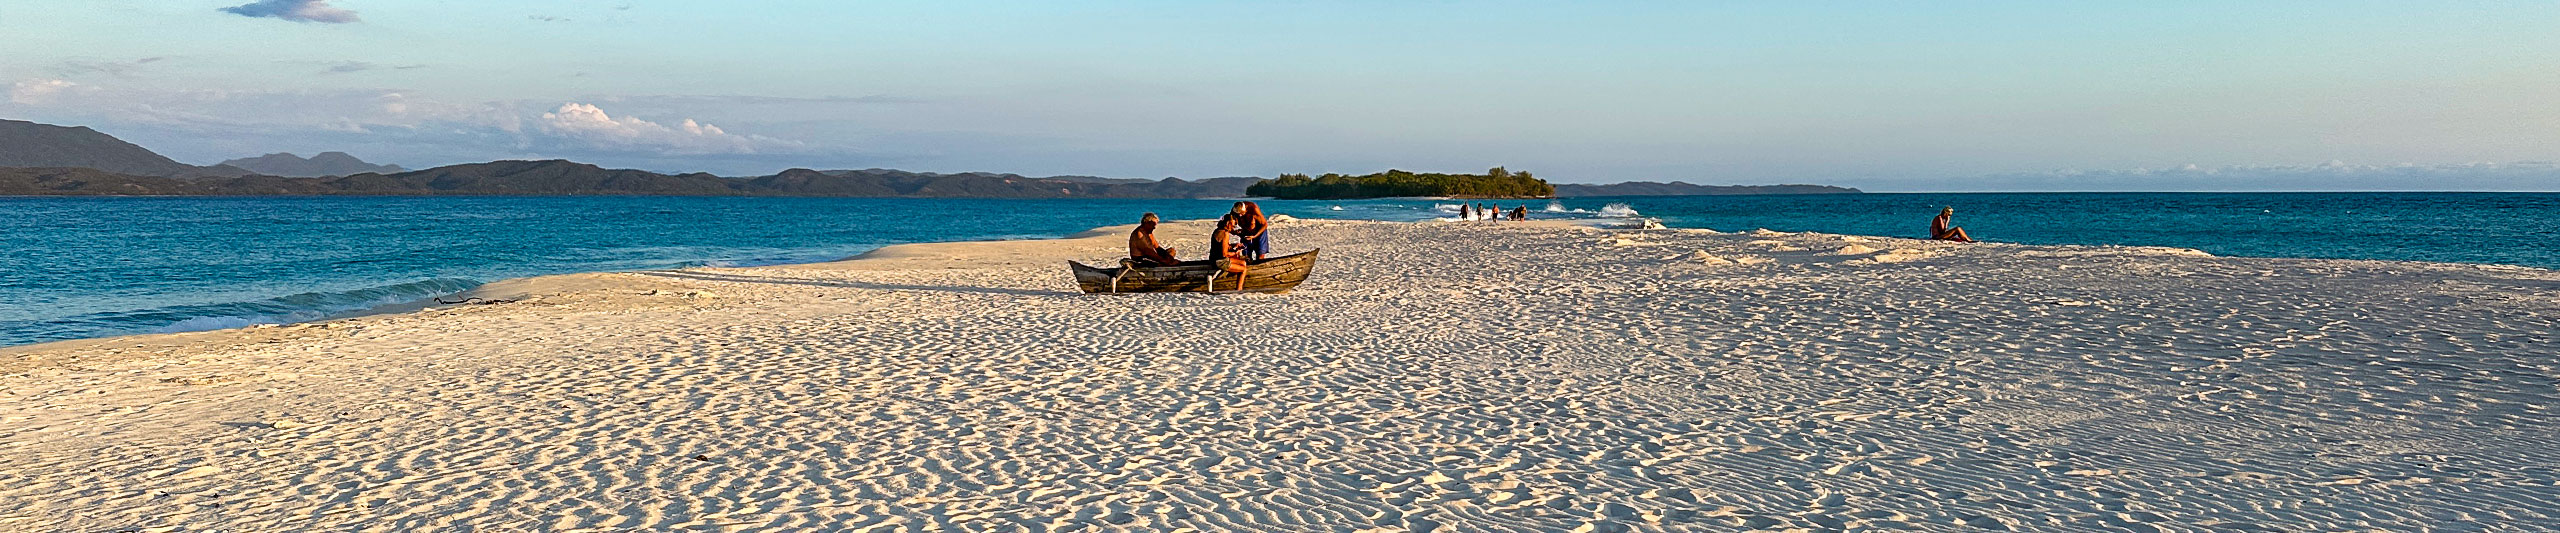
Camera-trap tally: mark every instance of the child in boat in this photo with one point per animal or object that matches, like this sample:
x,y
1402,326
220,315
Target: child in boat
x,y
1143,248
1943,228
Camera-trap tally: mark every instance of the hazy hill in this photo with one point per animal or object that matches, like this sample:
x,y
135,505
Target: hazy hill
x,y
993,185
325,164
28,144
1680,188
1495,183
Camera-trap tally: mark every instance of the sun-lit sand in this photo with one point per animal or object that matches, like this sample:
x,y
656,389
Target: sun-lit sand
x,y
1430,377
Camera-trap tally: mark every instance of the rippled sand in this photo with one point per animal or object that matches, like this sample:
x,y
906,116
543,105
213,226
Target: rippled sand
x,y
1435,376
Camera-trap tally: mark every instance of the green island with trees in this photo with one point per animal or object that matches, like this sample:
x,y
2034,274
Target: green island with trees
x,y
1495,183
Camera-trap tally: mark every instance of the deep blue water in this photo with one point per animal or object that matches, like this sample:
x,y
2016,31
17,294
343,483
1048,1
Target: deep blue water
x,y
87,267
2503,228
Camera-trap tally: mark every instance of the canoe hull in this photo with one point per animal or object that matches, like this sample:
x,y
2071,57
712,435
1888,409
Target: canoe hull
x,y
1273,275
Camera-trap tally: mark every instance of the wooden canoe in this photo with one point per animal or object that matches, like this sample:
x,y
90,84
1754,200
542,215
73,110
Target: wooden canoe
x,y
1271,275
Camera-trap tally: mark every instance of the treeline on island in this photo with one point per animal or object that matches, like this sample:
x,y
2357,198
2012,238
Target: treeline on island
x,y
1495,183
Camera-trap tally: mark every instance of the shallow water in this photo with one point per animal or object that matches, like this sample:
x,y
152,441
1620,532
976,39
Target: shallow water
x,y
86,267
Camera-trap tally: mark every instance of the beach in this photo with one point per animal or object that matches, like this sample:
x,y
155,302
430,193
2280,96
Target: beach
x,y
1433,376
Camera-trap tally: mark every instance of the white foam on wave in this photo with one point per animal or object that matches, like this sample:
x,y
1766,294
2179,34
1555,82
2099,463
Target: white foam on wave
x,y
1619,211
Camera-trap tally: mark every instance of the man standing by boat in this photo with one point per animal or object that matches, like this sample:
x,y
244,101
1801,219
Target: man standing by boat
x,y
1143,247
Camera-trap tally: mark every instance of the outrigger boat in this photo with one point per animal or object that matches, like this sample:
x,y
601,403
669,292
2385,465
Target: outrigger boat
x,y
1273,275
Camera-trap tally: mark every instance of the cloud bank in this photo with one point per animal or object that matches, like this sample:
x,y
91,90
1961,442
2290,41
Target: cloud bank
x,y
38,92
416,131
591,125
763,134
295,10
111,68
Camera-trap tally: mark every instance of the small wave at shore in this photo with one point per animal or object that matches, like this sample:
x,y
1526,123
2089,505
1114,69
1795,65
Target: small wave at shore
x,y
302,307
1619,211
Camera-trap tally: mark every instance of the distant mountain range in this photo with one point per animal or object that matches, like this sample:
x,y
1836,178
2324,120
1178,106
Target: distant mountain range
x,y
28,144
560,178
1680,188
325,164
41,159
44,159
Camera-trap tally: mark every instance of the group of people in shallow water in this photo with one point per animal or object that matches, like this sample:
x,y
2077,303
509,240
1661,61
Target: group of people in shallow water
x,y
1243,236
1491,212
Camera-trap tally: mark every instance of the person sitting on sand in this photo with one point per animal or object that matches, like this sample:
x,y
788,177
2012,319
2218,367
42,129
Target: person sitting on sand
x,y
1942,228
1253,231
1143,248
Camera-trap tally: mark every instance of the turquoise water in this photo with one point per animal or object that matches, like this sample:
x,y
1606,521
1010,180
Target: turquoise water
x,y
87,267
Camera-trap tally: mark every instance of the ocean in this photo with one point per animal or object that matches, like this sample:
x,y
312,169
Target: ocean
x,y
90,267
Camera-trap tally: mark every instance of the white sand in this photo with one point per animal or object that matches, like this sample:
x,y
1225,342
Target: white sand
x,y
1437,376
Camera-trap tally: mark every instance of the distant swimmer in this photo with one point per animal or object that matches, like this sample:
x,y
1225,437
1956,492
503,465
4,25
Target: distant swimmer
x,y
1143,248
1943,229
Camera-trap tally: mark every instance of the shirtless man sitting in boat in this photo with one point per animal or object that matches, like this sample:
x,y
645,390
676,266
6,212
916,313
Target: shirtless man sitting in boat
x,y
1143,248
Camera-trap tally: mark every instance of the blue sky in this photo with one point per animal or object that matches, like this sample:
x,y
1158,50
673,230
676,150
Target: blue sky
x,y
1934,96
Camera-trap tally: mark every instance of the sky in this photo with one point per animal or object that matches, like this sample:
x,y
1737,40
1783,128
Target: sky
x,y
1886,96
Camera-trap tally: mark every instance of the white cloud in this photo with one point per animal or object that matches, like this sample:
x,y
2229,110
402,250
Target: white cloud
x,y
38,92
295,10
214,111
569,129
417,130
592,125
78,67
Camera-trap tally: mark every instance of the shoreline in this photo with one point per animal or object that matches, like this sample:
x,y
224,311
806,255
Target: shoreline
x,y
535,287
242,295
512,289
